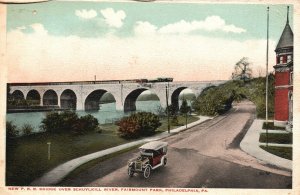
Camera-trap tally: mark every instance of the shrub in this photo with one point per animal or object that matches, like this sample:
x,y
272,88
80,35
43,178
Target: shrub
x,y
85,123
27,129
11,130
69,121
52,123
138,124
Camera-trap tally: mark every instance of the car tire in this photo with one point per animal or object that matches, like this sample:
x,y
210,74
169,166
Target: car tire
x,y
165,161
147,172
130,172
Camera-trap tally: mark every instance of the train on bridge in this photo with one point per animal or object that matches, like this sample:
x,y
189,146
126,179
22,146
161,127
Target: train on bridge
x,y
157,80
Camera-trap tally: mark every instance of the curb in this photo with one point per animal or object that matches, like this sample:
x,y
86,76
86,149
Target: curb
x,y
57,174
250,144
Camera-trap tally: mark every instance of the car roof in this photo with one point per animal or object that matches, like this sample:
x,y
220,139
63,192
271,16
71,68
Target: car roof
x,y
155,145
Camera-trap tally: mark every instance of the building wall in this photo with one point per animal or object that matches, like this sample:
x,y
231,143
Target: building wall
x,y
281,104
282,78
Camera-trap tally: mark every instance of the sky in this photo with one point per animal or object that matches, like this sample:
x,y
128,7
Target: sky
x,y
74,41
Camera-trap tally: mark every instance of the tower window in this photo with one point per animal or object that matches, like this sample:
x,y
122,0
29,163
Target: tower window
x,y
289,58
281,60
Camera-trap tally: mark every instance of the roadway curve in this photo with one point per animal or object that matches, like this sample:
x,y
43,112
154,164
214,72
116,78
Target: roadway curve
x,y
207,155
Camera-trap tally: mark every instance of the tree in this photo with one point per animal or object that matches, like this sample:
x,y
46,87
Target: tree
x,y
172,109
184,109
242,70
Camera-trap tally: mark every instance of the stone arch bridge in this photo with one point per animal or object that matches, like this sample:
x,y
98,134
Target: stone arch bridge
x,y
86,95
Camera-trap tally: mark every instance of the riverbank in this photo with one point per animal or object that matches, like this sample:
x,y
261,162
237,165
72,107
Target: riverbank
x,y
33,150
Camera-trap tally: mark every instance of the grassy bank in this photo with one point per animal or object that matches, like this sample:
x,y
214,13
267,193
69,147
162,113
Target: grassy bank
x,y
270,125
283,152
27,157
276,138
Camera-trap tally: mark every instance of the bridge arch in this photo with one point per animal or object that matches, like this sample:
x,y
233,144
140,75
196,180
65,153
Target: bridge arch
x,y
175,96
68,99
50,98
93,100
18,95
33,97
131,98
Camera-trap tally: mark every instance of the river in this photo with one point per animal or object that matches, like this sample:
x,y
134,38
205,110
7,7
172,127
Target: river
x,y
106,114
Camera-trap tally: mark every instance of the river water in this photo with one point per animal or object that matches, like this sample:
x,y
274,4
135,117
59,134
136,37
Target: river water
x,y
106,114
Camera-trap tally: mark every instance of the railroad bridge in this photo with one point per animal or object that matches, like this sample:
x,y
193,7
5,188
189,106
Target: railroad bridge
x,y
86,95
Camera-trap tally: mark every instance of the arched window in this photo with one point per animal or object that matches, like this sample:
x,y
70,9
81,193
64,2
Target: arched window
x,y
281,60
289,58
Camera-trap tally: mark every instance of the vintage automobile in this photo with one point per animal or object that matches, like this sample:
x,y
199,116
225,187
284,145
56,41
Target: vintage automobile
x,y
152,155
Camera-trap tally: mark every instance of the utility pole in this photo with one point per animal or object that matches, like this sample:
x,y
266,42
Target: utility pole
x,y
49,149
167,99
267,79
186,111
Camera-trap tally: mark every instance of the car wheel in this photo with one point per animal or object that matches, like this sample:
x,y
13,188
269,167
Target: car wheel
x,y
147,172
165,161
130,171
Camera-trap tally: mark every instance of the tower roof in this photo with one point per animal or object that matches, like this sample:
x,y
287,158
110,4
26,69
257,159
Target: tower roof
x,y
287,36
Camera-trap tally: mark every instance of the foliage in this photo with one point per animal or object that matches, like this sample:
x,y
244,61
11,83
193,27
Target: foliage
x,y
138,124
173,114
217,100
69,121
242,70
11,130
27,129
184,108
86,123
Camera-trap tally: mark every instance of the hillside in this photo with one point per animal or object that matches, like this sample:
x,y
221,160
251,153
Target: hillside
x,y
216,100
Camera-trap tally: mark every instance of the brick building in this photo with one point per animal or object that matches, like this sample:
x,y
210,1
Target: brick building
x,y
283,105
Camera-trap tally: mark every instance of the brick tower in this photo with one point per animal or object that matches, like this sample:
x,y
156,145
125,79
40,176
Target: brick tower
x,y
284,78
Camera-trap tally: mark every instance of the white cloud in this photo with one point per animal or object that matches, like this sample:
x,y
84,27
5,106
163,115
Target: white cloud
x,y
39,29
86,14
144,28
182,56
112,18
21,28
211,23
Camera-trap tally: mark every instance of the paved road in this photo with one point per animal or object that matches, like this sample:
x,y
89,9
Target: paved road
x,y
207,155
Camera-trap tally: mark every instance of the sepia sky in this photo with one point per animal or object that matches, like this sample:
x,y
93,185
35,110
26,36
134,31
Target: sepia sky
x,y
71,41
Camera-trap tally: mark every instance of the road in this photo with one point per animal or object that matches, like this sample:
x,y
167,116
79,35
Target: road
x,y
207,155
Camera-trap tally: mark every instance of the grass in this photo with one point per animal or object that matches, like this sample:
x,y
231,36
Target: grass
x,y
27,157
277,138
283,152
270,125
94,162
181,122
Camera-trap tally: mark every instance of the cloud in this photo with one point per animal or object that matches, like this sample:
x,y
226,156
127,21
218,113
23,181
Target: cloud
x,y
145,28
21,28
112,18
182,56
39,29
211,23
86,14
